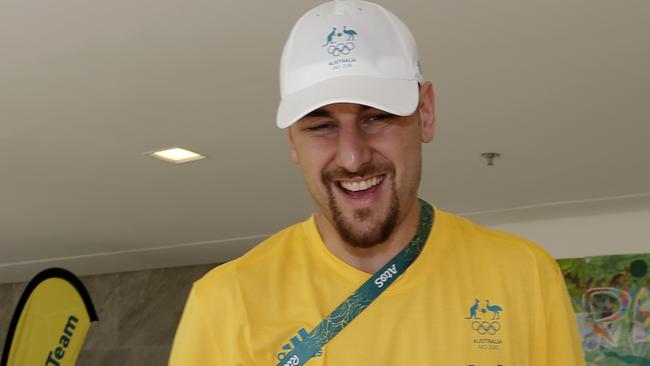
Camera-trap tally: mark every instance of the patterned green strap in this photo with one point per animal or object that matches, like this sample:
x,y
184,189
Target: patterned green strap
x,y
363,296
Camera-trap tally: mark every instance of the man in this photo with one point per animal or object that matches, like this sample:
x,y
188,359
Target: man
x,y
376,276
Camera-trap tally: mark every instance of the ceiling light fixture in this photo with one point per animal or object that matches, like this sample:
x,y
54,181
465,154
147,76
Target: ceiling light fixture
x,y
176,155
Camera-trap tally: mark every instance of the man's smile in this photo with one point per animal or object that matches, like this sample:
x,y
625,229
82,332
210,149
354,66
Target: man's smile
x,y
360,192
361,185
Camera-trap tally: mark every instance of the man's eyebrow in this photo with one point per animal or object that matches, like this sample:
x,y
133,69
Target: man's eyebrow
x,y
322,112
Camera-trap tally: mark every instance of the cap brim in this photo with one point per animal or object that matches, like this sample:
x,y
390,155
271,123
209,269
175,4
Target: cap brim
x,y
395,96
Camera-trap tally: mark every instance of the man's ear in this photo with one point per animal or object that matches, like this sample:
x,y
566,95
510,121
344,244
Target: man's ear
x,y
292,146
427,110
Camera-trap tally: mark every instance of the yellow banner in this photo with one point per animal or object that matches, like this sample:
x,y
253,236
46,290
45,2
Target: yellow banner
x,y
50,322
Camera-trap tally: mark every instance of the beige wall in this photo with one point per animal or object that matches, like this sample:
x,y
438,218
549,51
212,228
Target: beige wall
x,y
138,314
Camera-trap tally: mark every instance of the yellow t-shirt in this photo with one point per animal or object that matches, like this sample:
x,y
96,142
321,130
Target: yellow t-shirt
x,y
473,297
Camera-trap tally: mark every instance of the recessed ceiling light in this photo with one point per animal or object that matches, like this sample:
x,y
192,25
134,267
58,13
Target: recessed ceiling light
x,y
176,155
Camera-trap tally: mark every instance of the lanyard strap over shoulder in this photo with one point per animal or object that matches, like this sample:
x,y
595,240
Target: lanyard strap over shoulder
x,y
363,296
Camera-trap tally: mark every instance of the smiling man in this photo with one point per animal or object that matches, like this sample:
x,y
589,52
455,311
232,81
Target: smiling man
x,y
377,276
362,167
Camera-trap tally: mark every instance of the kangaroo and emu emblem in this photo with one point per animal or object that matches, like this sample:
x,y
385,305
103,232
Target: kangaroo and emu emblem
x,y
494,309
340,42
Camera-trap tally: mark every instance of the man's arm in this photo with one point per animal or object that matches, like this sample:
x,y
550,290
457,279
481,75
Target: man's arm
x,y
194,343
562,335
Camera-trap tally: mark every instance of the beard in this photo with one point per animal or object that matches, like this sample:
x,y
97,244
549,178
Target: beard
x,y
347,229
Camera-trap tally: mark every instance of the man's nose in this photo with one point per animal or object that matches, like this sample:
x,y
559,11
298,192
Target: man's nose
x,y
353,150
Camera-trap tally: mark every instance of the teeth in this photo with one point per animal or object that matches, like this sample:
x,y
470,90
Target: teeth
x,y
363,185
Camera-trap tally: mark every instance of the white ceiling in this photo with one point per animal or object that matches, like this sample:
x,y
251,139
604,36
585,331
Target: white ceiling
x,y
560,88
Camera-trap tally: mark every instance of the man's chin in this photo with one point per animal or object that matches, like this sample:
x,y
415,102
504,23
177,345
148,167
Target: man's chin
x,y
365,225
357,212
363,230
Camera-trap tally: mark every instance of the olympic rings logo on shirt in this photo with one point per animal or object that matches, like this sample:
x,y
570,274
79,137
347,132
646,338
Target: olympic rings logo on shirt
x,y
340,49
484,327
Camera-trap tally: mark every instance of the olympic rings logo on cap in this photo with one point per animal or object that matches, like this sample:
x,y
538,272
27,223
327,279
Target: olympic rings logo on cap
x,y
484,327
340,49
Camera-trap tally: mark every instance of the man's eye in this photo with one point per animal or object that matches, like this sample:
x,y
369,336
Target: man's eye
x,y
321,127
379,118
372,123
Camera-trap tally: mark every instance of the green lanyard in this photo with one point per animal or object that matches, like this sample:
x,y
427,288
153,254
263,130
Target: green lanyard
x,y
363,296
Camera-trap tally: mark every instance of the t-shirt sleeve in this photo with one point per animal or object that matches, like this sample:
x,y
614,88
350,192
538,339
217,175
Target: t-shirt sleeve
x,y
194,342
563,336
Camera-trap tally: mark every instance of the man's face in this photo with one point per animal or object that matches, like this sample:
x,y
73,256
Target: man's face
x,y
362,165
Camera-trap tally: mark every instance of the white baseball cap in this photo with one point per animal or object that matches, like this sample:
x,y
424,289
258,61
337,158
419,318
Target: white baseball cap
x,y
348,51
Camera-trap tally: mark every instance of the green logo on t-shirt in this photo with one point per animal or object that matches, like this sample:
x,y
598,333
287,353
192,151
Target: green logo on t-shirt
x,y
294,342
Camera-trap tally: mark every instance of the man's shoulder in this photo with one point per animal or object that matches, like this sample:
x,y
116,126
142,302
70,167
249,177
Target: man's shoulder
x,y
269,253
494,242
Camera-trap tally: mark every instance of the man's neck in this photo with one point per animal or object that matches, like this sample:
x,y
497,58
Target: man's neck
x,y
369,260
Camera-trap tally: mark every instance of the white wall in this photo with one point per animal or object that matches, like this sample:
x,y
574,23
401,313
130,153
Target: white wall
x,y
619,233
579,229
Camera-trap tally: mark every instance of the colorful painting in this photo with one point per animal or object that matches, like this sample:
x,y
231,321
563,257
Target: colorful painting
x,y
611,297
